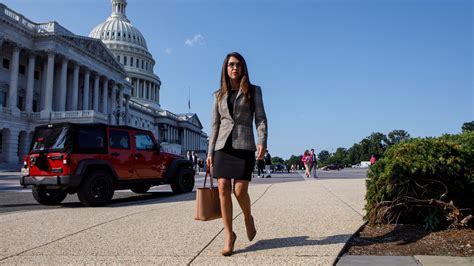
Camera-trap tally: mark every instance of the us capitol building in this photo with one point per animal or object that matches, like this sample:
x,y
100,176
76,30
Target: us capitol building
x,y
50,75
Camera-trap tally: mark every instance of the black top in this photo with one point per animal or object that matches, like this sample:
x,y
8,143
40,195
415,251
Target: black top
x,y
232,95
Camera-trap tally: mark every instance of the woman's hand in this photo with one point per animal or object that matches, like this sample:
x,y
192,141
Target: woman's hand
x,y
260,152
209,161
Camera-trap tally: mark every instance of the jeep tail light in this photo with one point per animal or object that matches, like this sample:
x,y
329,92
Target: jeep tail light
x,y
66,158
25,161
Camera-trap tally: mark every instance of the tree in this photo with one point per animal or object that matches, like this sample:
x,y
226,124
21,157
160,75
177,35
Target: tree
x,y
339,156
295,160
353,154
377,144
324,156
397,136
277,160
468,127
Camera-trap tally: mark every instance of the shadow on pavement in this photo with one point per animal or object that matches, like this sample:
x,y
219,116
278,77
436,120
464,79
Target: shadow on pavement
x,y
297,241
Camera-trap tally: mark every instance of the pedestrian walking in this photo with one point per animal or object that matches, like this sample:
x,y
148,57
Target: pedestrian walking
x,y
232,144
306,159
314,164
260,168
268,163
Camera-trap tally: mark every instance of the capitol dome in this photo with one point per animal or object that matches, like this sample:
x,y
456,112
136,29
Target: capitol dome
x,y
129,46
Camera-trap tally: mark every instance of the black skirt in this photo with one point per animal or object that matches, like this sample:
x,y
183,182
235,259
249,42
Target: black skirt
x,y
234,163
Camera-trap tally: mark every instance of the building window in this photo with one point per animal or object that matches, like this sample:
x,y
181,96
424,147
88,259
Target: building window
x,y
118,34
124,60
21,103
6,63
118,58
22,69
143,64
3,99
146,65
131,61
35,106
136,63
37,75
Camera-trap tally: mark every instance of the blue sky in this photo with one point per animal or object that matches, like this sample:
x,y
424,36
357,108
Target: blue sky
x,y
332,72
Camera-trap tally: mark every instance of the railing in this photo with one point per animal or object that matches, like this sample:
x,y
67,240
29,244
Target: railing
x,y
5,110
48,27
78,114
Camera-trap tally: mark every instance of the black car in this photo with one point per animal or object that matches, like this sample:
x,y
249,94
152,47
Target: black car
x,y
333,166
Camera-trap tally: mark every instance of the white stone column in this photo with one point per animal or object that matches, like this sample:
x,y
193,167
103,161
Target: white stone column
x,y
105,95
121,105
43,83
75,88
13,91
96,93
10,145
158,94
63,86
149,90
127,110
48,94
113,102
30,83
136,88
85,94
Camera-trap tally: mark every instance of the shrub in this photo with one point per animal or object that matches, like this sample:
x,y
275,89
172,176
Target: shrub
x,y
424,181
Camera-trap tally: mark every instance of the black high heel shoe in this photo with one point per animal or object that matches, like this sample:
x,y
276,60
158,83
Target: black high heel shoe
x,y
231,250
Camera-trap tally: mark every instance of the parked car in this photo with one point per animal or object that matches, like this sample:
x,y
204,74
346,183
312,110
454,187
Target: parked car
x,y
94,160
333,166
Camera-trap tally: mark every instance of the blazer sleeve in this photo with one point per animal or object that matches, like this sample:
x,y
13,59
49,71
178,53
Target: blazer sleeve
x,y
215,124
260,118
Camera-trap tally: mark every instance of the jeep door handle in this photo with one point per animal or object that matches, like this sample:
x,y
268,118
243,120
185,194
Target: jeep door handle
x,y
138,155
115,154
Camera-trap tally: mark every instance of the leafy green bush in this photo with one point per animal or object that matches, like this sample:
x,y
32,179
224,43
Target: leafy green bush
x,y
425,181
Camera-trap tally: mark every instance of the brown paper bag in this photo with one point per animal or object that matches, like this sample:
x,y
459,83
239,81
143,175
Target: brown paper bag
x,y
208,206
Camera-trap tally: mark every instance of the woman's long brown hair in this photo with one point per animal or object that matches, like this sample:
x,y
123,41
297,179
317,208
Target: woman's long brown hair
x,y
245,85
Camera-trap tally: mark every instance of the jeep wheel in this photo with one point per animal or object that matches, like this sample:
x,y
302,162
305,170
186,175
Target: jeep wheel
x,y
142,188
183,182
48,196
96,190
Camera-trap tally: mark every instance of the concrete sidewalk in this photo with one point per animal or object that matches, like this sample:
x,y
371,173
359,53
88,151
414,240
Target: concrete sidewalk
x,y
306,222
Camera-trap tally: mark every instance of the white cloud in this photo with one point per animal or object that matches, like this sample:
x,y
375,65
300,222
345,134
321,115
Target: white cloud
x,y
197,39
168,50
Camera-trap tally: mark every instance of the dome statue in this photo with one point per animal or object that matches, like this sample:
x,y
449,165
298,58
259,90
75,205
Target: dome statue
x,y
129,46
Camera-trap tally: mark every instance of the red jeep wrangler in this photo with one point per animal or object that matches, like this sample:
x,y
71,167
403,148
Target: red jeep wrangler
x,y
94,160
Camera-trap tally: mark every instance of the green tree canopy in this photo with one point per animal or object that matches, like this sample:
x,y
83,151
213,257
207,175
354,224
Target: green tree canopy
x,y
468,127
324,156
397,136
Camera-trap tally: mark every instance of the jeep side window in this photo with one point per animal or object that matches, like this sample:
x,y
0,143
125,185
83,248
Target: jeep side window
x,y
144,142
119,139
91,138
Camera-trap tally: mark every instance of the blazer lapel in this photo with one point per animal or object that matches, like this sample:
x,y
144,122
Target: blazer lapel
x,y
237,100
225,108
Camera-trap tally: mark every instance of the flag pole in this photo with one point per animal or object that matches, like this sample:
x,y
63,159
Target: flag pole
x,y
189,99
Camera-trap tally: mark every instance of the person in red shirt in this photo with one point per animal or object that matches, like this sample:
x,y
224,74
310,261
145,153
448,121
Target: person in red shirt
x,y
372,159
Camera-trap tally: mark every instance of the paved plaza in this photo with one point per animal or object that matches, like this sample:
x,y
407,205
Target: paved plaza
x,y
299,221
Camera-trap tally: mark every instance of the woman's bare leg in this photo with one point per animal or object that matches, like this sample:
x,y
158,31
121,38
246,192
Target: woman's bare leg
x,y
225,192
241,188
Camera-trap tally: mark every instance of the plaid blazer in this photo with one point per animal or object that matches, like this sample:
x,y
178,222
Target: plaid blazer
x,y
240,125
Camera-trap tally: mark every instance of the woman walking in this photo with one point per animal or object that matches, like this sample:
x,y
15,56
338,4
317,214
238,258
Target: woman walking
x,y
232,144
306,159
